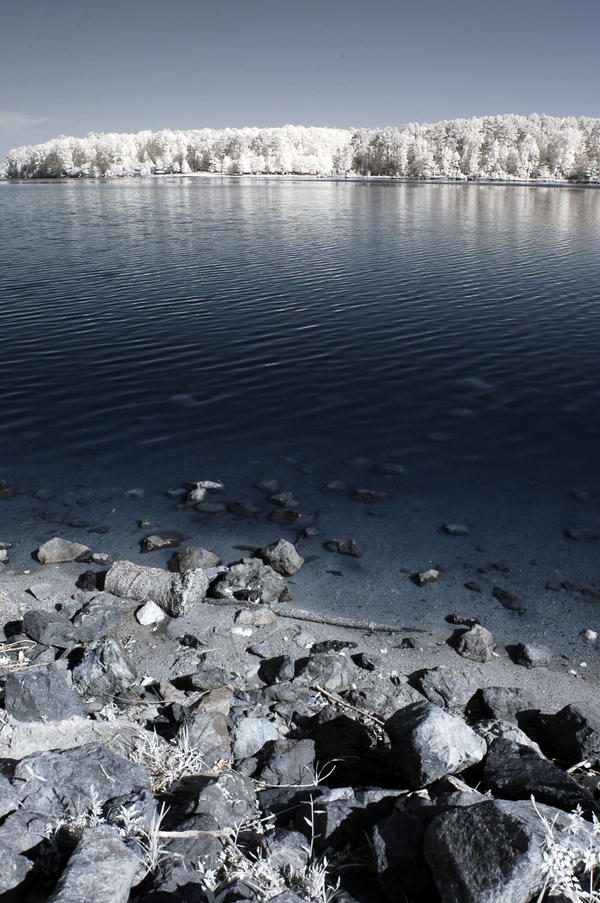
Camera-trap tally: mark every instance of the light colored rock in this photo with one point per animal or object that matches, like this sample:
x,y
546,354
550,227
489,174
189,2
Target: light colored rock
x,y
282,557
150,613
101,870
427,576
192,557
20,738
57,551
249,735
454,529
256,617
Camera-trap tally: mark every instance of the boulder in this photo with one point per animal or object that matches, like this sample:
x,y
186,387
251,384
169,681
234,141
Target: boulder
x,y
41,695
447,687
101,870
476,644
428,743
229,798
249,735
97,618
58,550
573,733
282,557
104,669
51,628
251,581
14,869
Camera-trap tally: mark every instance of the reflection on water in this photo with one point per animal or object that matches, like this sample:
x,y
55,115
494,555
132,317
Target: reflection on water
x,y
153,318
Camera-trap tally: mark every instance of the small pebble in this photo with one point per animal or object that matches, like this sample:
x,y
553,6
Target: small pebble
x,y
454,529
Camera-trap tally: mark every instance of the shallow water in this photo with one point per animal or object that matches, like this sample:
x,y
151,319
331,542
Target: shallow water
x,y
149,320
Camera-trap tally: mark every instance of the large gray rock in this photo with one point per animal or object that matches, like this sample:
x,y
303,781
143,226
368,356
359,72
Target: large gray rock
x,y
447,687
491,852
192,557
504,703
58,550
573,733
428,743
14,869
98,618
516,772
9,801
282,557
60,783
41,695
51,628
249,735
230,799
101,870
476,644
104,669
252,581
173,592
207,733
290,762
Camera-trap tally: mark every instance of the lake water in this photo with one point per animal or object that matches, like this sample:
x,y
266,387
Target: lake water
x,y
195,318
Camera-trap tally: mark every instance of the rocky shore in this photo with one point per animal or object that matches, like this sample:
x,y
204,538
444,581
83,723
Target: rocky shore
x,y
189,732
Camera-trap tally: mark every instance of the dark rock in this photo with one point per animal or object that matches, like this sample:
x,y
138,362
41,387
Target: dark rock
x,y
273,670
454,530
97,618
101,870
334,645
428,743
59,782
338,818
87,581
229,798
492,851
285,851
252,581
49,627
532,655
203,848
473,586
446,687
289,762
573,733
516,772
193,557
41,695
208,734
130,810
9,801
14,869
462,620
282,556
507,599
582,533
396,844
504,703
343,547
476,644
104,669
334,673
23,830
492,730
156,541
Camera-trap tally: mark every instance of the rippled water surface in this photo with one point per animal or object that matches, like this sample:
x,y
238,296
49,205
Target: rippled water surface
x,y
142,320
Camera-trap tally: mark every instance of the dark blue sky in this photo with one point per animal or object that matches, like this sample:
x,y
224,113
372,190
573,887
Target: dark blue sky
x,y
123,65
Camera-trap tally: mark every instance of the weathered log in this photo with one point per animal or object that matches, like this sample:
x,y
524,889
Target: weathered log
x,y
173,592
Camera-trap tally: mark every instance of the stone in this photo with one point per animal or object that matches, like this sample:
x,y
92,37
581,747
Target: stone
x,y
334,673
104,669
389,469
282,557
251,581
285,850
396,845
173,592
446,687
207,733
156,541
57,551
229,798
476,644
9,801
428,743
249,735
533,655
14,869
343,547
516,772
421,578
192,557
97,618
368,496
289,762
573,733
24,738
504,703
492,851
199,848
507,599
257,617
582,533
274,670
492,730
149,614
87,581
454,529
101,870
342,815
51,628
59,783
41,695
23,830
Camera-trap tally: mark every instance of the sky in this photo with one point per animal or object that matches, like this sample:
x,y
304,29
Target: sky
x,y
75,66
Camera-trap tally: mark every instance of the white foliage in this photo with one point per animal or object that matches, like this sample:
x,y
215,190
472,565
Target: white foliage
x,y
506,148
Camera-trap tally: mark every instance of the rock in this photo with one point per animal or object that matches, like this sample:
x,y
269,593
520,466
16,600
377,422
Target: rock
x,y
573,733
368,496
9,801
3,555
276,669
101,870
173,592
389,469
156,541
532,655
589,636
49,628
97,618
462,620
23,738
396,845
516,772
285,850
23,830
229,798
504,703
252,581
290,518
507,599
492,851
104,669
289,762
282,557
41,695
199,849
343,547
473,586
446,687
256,617
421,578
59,783
476,644
207,733
428,743
335,673
57,550
149,614
582,533
192,557
87,581
14,869
454,530
249,735
341,816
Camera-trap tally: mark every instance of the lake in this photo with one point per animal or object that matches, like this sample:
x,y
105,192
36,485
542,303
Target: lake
x,y
144,321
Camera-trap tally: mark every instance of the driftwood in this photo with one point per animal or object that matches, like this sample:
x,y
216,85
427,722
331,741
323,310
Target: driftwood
x,y
173,592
